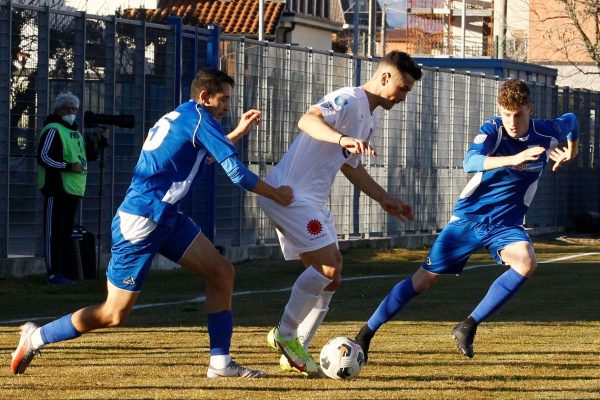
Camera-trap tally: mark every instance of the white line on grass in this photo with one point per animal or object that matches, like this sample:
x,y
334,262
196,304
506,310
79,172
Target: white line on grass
x,y
201,299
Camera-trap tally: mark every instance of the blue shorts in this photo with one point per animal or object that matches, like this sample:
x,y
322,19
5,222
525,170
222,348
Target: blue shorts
x,y
461,238
137,240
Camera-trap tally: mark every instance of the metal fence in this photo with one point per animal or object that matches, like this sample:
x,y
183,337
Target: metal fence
x,y
132,67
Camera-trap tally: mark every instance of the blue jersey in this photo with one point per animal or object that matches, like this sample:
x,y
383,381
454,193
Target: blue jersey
x,y
503,195
171,157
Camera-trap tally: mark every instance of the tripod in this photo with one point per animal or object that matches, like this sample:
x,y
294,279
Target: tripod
x,y
101,146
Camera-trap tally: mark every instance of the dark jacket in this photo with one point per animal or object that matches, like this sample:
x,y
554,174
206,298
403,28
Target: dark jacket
x,y
50,156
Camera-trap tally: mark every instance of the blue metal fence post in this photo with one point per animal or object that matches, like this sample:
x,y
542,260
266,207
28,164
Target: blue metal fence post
x,y
175,21
213,57
213,53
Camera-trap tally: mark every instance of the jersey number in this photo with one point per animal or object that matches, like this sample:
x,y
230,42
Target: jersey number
x,y
157,134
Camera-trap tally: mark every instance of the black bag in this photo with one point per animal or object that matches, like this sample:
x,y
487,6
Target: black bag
x,y
80,262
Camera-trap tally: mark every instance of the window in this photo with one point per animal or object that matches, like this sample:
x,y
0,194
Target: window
x,y
315,8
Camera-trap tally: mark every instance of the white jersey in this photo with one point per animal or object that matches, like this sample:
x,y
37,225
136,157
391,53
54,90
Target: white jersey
x,y
310,165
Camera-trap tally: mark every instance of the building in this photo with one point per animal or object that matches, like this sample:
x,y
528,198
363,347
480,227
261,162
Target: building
x,y
554,41
306,23
437,27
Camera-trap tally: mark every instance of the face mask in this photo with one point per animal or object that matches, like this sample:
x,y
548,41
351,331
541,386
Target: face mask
x,y
69,118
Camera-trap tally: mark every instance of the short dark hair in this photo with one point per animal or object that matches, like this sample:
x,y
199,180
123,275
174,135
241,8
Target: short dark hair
x,y
513,94
211,81
403,63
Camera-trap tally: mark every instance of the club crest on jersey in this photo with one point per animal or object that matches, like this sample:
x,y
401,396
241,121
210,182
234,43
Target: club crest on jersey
x,y
556,127
480,138
129,281
314,227
341,101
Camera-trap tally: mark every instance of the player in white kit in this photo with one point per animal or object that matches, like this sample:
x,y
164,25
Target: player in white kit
x,y
334,133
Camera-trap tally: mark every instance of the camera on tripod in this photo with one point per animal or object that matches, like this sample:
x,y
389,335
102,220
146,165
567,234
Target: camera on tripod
x,y
92,120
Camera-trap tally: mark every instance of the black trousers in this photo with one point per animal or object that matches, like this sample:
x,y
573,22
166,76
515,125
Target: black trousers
x,y
59,218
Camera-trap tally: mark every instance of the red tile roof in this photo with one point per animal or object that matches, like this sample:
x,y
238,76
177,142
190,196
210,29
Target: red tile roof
x,y
234,16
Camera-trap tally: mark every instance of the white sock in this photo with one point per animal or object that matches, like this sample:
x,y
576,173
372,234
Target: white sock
x,y
36,339
220,362
305,293
309,326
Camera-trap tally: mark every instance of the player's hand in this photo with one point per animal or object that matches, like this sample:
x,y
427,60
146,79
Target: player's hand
x,y
399,209
560,156
248,120
357,146
531,154
284,195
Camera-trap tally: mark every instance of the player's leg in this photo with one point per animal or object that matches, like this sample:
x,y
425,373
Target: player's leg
x,y
510,246
305,232
307,306
192,250
113,312
131,258
400,295
448,255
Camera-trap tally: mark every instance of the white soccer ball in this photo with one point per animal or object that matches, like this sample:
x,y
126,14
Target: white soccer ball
x,y
342,358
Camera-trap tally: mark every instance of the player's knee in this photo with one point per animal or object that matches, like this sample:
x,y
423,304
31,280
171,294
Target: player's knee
x,y
422,280
526,267
224,275
114,318
336,282
119,319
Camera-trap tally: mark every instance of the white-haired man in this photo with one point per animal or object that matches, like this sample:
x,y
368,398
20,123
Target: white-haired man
x,y
62,157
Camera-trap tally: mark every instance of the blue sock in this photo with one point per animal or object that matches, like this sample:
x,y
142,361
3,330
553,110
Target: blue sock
x,y
392,304
499,293
59,330
220,329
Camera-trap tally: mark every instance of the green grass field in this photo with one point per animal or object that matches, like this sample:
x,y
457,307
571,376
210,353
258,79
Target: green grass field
x,y
544,344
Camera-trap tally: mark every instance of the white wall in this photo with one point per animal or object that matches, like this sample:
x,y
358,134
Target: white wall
x,y
570,76
311,37
108,7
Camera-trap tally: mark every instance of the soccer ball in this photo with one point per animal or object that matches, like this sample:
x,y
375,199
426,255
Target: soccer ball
x,y
341,358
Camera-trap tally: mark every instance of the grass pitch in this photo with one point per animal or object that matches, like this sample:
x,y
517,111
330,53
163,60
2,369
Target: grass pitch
x,y
544,344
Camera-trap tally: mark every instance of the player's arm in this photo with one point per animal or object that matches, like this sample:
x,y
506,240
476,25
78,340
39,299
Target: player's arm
x,y
247,180
248,120
313,124
479,159
568,124
360,178
530,154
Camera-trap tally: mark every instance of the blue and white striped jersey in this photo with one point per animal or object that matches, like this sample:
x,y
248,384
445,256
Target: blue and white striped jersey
x,y
503,195
171,157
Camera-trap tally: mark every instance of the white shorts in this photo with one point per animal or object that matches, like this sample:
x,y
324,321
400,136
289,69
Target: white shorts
x,y
301,227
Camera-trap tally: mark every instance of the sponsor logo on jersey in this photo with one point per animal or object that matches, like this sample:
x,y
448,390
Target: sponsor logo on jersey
x,y
480,138
529,167
341,101
328,106
314,227
129,281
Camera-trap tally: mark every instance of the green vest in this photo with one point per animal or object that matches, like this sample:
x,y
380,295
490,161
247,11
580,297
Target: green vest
x,y
73,151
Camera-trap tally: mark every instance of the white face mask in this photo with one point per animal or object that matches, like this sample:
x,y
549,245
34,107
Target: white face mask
x,y
69,118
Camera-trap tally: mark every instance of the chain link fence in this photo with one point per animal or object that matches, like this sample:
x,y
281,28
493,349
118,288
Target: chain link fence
x,y
132,67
